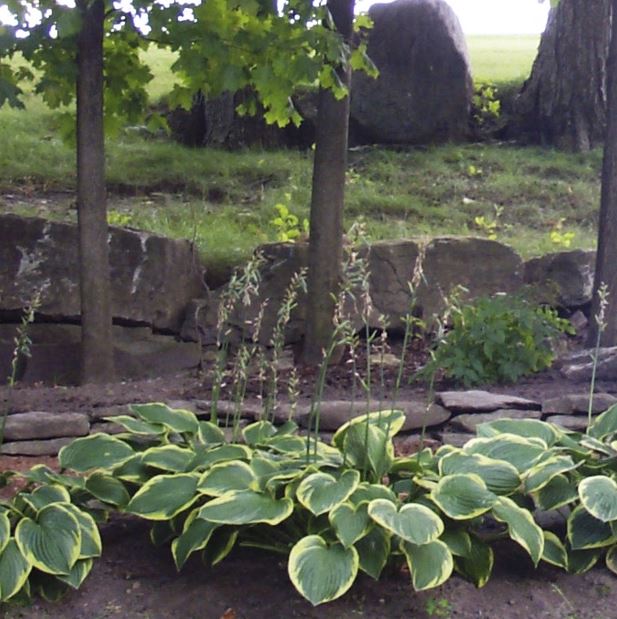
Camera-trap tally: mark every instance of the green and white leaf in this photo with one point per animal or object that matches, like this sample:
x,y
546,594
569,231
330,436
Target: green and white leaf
x,y
458,541
168,458
174,419
321,492
208,456
321,572
598,495
526,428
246,507
477,566
195,536
413,522
559,491
219,546
521,527
462,496
374,551
164,496
586,532
388,421
605,424
369,492
91,545
52,541
350,522
581,561
554,552
210,433
258,433
107,489
14,570
78,574
97,451
46,495
5,530
430,565
499,476
137,426
611,559
368,448
542,473
520,452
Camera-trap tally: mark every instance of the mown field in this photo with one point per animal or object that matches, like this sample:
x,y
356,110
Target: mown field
x,y
536,199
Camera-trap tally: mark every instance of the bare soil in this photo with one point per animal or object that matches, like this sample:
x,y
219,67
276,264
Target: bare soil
x,y
135,580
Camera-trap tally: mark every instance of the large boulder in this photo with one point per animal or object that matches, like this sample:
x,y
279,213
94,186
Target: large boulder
x,y
562,278
153,277
481,266
424,89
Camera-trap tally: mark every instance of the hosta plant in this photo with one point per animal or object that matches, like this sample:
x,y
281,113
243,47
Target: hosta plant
x,y
334,509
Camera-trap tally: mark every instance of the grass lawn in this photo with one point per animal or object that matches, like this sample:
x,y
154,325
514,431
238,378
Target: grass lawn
x,y
226,201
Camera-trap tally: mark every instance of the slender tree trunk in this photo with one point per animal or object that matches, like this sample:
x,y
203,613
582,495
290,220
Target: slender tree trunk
x,y
606,261
327,201
563,103
94,277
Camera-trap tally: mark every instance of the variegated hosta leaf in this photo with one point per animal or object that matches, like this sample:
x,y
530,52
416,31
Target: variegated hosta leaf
x,y
133,470
542,473
164,496
321,572
320,492
137,426
518,451
46,495
599,497
14,570
91,545
374,551
258,433
210,433
585,531
246,507
611,559
388,421
368,448
219,546
581,561
226,477
604,424
107,489
350,522
462,496
176,420
526,428
554,552
558,492
195,536
78,574
369,492
413,523
430,565
208,456
5,530
521,527
168,458
97,451
478,564
458,541
52,542
288,444
499,476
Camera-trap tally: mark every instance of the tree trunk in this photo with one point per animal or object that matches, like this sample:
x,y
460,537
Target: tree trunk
x,y
606,261
94,277
563,103
327,201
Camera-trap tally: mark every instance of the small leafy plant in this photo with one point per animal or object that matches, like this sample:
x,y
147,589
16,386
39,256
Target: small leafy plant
x,y
288,226
496,339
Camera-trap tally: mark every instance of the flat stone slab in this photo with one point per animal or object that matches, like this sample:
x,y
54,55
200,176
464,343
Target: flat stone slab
x,y
470,421
38,424
457,439
577,423
578,403
579,366
334,413
476,401
49,447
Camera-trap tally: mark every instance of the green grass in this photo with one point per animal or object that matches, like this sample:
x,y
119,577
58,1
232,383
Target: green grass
x,y
226,201
502,58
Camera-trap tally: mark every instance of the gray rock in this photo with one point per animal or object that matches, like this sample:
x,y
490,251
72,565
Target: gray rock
x,y
35,425
153,277
334,413
102,412
469,422
457,439
577,403
579,367
106,428
424,89
482,401
562,278
482,266
200,320
577,423
35,448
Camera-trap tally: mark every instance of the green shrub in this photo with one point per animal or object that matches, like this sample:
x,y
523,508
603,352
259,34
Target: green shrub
x,y
496,340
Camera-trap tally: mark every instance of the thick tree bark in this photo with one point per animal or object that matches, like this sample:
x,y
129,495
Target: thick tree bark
x,y
606,261
327,201
94,276
563,103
